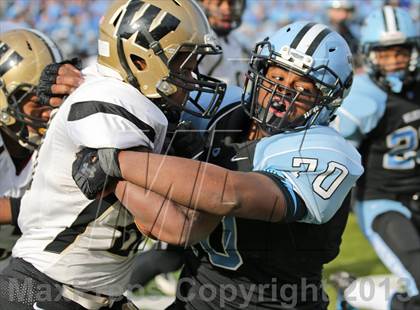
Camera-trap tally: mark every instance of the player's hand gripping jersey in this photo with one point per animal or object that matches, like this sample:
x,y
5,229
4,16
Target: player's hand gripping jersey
x,y
86,243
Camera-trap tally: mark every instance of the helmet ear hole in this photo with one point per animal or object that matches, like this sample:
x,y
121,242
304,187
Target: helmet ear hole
x,y
139,62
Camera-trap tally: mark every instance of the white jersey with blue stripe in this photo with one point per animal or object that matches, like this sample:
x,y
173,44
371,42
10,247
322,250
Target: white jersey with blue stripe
x,y
320,165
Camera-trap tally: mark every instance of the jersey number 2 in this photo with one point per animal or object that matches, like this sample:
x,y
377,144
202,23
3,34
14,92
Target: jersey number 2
x,y
403,144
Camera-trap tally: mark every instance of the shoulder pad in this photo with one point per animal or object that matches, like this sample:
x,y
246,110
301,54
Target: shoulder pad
x,y
322,168
362,109
363,84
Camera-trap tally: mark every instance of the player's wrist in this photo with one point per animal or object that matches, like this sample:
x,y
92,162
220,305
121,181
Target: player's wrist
x,y
5,211
109,162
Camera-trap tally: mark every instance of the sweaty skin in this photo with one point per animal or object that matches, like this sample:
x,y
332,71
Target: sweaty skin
x,y
5,211
187,204
160,218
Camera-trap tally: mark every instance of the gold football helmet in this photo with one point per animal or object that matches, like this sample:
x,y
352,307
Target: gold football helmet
x,y
143,39
24,53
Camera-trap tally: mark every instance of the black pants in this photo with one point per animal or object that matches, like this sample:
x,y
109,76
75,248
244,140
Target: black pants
x,y
156,261
23,287
402,236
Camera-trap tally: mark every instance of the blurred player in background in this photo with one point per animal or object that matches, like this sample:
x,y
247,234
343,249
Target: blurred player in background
x,y
224,17
382,117
275,170
80,247
341,17
23,121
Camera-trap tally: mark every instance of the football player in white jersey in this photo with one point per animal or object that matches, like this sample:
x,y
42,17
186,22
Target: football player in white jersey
x,y
23,121
224,17
276,173
83,248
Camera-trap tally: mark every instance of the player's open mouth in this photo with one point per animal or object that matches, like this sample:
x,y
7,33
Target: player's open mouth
x,y
278,106
226,22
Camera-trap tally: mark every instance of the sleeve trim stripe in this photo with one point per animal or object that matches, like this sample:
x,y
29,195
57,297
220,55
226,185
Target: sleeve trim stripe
x,y
296,208
1,149
80,110
15,205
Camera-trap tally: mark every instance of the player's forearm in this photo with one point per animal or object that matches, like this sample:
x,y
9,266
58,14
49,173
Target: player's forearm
x,y
259,198
190,183
161,218
204,186
5,211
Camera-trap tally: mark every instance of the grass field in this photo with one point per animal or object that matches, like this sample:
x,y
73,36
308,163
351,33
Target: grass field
x,y
356,256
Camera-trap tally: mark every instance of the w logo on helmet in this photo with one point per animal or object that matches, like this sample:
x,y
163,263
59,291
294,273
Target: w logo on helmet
x,y
146,15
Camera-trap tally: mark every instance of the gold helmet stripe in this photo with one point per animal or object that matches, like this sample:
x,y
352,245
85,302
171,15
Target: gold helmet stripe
x,y
11,61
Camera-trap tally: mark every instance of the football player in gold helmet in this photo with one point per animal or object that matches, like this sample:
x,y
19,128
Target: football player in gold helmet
x,y
23,55
148,52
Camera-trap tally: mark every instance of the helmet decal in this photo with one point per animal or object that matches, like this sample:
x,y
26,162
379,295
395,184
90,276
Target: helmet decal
x,y
163,22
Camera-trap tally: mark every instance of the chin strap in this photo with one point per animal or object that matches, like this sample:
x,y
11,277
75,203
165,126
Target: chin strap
x,y
24,142
395,81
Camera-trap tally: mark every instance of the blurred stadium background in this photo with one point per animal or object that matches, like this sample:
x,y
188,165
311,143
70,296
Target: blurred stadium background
x,y
73,25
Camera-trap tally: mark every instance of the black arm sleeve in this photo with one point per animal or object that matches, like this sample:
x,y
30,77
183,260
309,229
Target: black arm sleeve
x,y
15,205
296,208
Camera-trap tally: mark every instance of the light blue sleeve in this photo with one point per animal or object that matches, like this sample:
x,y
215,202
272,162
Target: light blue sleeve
x,y
322,168
361,111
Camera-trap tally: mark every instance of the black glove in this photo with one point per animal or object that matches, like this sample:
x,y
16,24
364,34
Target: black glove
x,y
94,169
48,78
